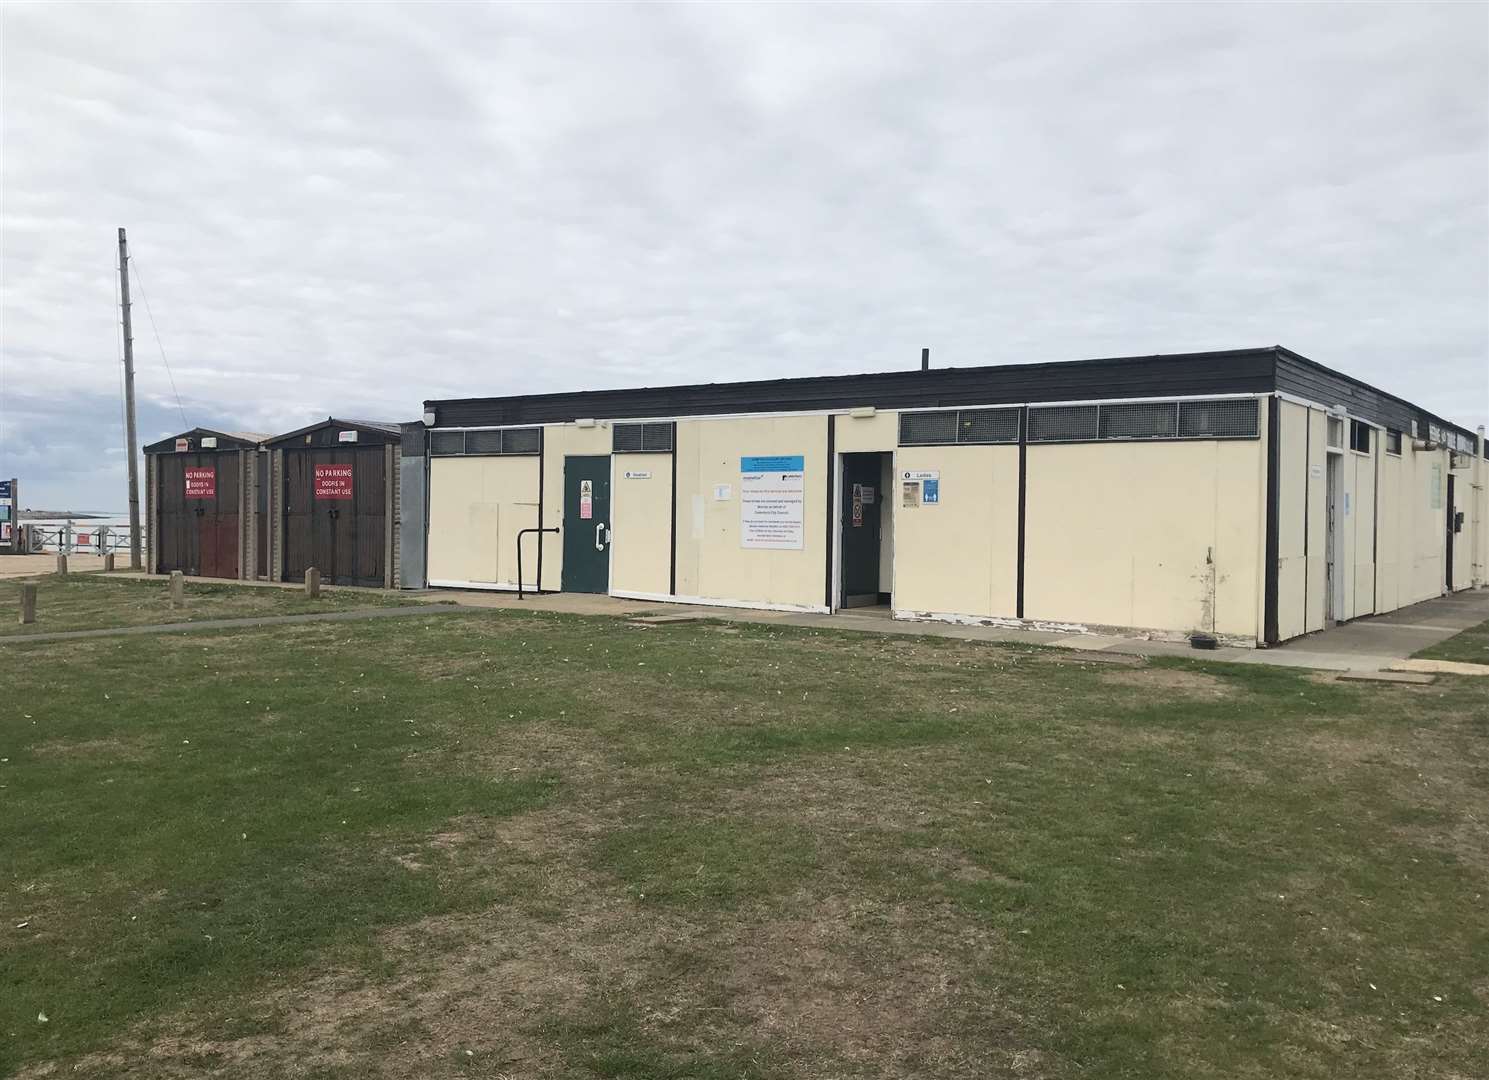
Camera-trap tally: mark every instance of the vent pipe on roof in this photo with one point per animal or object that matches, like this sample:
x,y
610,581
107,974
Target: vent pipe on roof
x,y
925,359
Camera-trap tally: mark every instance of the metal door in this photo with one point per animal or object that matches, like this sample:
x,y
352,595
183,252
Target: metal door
x,y
861,502
586,524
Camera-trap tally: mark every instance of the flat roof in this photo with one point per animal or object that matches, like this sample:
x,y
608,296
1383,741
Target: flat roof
x,y
1262,370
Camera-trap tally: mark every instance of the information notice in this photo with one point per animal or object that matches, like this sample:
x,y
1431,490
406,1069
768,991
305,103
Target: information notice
x,y
772,502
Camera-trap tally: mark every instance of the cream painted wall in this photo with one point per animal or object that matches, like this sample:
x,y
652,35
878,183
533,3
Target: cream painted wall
x,y
1293,483
476,507
960,556
1156,535
711,564
1389,510
641,512
1427,526
860,435
1362,521
1480,517
1318,521
1463,496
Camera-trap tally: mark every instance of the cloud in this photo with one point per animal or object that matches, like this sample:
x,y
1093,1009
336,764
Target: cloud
x,y
338,210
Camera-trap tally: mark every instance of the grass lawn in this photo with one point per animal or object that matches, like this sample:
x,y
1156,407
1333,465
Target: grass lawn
x,y
525,845
92,601
1470,647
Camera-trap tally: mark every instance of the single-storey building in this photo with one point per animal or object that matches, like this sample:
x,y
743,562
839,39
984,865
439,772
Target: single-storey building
x,y
334,502
205,501
1251,494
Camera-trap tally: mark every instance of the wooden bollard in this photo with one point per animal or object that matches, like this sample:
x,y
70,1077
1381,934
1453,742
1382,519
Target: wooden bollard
x,y
312,583
61,565
178,589
108,563
28,604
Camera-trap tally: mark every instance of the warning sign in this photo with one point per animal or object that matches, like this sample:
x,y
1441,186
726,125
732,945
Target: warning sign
x,y
201,482
586,498
333,481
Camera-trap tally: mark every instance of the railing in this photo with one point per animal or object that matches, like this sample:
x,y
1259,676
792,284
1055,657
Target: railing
x,y
76,539
520,534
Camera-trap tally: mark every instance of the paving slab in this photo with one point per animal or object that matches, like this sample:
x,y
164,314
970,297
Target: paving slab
x,y
1414,678
1445,667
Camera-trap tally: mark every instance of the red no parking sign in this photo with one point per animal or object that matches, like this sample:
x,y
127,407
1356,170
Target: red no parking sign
x,y
333,481
201,483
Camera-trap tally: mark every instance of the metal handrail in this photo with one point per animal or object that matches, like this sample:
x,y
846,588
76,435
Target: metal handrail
x,y
520,534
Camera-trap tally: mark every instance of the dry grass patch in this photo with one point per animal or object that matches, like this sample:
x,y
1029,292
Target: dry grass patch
x,y
1168,680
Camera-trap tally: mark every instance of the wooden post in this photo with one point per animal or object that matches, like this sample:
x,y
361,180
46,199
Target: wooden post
x,y
312,583
108,563
28,604
129,426
61,565
178,589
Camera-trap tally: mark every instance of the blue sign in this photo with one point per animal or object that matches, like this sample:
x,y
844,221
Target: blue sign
x,y
4,489
930,491
776,463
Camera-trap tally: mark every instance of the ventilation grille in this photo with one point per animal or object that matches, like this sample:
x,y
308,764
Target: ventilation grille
x,y
947,427
446,443
653,438
1141,421
485,443
1218,419
523,440
1227,419
1063,423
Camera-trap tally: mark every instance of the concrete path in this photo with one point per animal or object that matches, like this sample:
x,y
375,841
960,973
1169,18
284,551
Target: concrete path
x,y
1371,644
236,624
16,566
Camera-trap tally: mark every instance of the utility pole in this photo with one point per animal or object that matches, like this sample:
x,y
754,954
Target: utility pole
x,y
135,562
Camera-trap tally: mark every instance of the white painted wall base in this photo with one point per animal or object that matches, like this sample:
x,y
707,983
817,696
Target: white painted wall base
x,y
708,601
1043,626
1005,623
493,586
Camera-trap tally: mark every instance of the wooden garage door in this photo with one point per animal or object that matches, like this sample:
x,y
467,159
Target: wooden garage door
x,y
198,500
335,514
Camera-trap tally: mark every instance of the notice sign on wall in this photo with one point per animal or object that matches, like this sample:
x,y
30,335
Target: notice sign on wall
x,y
920,487
772,502
201,482
333,481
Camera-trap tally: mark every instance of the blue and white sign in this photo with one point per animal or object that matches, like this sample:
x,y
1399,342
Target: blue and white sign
x,y
930,491
772,502
4,489
773,463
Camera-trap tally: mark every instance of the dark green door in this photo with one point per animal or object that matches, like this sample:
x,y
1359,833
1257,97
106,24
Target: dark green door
x,y
861,501
587,524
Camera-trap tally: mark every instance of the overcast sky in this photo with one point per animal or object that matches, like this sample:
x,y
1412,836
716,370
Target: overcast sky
x,y
348,209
